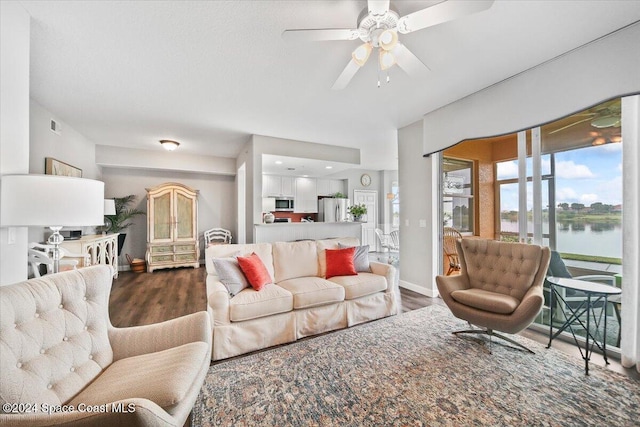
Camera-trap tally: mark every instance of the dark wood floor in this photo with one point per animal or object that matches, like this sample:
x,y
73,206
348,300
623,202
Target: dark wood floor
x,y
145,298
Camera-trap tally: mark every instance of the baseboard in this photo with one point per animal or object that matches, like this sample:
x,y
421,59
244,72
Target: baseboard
x,y
418,289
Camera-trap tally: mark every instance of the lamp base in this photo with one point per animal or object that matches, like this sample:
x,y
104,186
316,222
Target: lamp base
x,y
55,240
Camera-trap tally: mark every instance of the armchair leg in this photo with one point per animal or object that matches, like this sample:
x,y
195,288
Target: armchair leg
x,y
491,334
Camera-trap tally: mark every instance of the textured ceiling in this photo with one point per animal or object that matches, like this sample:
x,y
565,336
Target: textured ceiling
x,y
209,74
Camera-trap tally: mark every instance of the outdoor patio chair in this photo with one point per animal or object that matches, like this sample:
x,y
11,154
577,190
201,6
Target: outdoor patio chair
x,y
449,237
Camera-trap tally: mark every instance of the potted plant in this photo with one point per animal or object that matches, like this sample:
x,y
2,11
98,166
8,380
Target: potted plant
x,y
118,222
358,212
339,195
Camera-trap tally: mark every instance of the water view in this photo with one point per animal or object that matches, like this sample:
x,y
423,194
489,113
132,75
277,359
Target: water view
x,y
596,239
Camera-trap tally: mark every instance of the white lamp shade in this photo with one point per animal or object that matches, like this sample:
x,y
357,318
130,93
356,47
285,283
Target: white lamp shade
x,y
109,207
268,204
48,200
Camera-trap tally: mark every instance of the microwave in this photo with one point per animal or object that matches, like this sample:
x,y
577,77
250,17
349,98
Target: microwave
x,y
284,204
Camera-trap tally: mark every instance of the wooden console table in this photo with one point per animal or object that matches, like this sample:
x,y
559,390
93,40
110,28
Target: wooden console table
x,y
99,249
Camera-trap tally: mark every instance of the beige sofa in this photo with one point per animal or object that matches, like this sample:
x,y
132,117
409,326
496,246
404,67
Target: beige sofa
x,y
60,353
300,302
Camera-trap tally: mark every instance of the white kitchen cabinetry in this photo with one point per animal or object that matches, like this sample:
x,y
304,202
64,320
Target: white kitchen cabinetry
x,y
274,185
98,249
337,186
306,198
329,187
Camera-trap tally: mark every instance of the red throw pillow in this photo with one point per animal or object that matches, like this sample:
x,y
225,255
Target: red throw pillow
x,y
255,271
340,262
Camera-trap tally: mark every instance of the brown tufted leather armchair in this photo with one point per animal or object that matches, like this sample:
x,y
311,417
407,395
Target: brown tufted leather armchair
x,y
63,363
499,288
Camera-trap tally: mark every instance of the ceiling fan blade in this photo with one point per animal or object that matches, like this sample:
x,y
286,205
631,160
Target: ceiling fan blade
x,y
347,74
408,61
320,34
571,125
441,12
378,7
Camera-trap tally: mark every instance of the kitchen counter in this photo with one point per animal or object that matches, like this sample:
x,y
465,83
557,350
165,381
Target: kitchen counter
x,y
292,231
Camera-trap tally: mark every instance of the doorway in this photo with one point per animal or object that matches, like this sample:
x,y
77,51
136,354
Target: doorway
x,y
369,198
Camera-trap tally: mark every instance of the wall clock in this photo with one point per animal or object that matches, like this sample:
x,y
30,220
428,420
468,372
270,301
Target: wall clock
x,y
365,180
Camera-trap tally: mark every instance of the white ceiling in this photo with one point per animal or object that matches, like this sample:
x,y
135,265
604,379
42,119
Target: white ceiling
x,y
209,74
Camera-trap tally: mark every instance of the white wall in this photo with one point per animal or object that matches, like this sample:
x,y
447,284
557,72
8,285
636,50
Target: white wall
x,y
14,126
70,146
216,201
160,159
418,244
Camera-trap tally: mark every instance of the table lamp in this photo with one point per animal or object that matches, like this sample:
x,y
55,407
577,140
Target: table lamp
x,y
51,201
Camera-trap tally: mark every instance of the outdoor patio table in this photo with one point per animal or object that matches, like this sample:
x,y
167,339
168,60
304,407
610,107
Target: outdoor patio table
x,y
594,294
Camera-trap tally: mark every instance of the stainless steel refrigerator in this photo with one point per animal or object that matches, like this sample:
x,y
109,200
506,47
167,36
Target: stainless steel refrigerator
x,y
333,210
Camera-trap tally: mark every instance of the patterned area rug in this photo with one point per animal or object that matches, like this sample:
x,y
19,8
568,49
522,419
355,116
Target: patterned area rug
x,y
409,370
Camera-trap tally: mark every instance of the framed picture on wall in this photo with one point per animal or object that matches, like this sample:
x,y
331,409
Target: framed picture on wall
x,y
56,167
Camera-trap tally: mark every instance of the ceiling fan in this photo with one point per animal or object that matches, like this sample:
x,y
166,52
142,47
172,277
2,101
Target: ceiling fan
x,y
603,116
378,26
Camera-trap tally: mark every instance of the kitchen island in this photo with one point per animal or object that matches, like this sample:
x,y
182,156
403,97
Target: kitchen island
x,y
292,231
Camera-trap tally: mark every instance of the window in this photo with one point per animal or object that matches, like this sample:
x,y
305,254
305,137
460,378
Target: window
x,y
457,194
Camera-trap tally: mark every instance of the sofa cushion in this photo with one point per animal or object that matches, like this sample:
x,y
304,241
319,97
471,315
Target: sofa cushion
x,y
220,251
486,300
164,377
255,271
324,244
251,304
230,274
340,262
360,285
360,257
294,259
312,291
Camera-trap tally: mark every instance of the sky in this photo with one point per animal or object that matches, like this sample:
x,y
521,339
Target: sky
x,y
588,175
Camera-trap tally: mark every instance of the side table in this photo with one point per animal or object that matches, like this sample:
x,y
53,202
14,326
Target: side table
x,y
594,293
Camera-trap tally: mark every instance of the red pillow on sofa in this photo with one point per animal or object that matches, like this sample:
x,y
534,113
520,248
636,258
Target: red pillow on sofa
x,y
255,271
340,262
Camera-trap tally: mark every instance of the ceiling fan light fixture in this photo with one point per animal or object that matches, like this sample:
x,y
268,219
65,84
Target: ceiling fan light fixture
x,y
387,60
606,122
616,138
388,39
599,141
361,54
169,145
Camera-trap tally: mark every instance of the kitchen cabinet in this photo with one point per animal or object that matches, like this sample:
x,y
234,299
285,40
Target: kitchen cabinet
x,y
306,197
172,227
97,248
274,185
329,187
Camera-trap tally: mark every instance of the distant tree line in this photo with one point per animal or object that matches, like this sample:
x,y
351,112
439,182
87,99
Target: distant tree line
x,y
597,207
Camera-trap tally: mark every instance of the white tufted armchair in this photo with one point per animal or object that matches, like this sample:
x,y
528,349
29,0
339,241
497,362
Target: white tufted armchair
x,y
499,287
59,353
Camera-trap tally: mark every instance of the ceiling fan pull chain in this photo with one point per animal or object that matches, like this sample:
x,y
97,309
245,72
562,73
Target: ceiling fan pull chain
x,y
388,79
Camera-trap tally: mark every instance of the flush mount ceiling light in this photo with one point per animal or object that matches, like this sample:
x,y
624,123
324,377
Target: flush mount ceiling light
x,y
169,145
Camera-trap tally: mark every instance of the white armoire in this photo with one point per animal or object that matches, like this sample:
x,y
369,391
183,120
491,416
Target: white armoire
x,y
172,227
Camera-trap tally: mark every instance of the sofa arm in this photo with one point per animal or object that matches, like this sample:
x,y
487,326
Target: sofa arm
x,y
129,412
388,271
133,341
218,302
